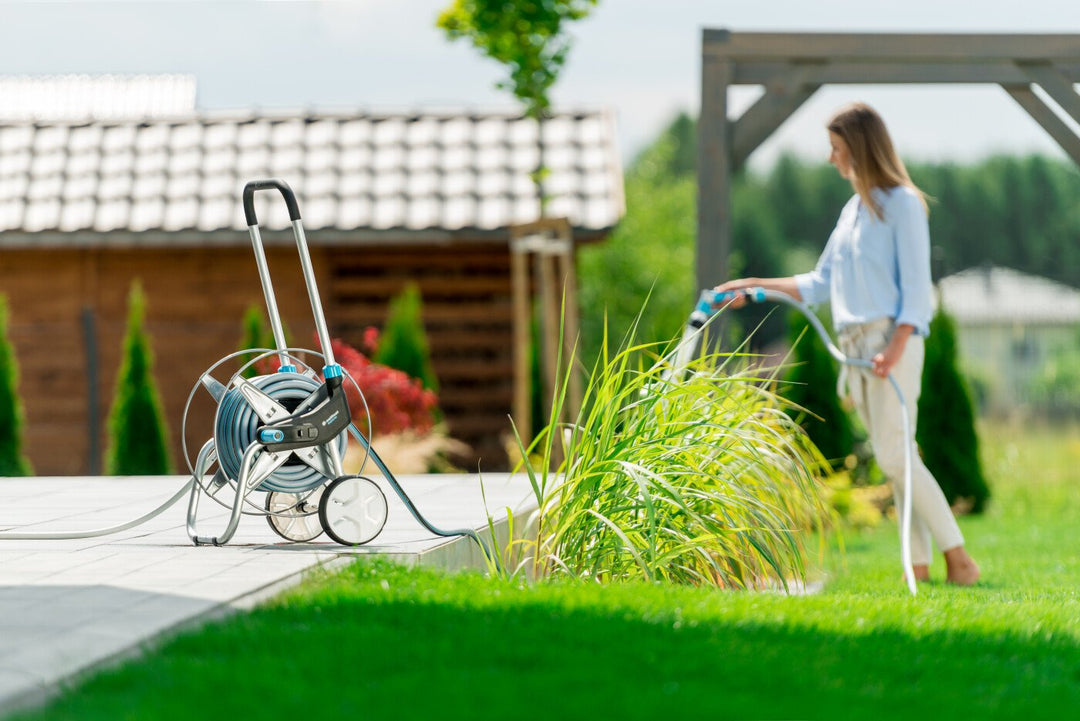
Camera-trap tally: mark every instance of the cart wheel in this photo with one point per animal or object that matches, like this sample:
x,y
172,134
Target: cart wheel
x,y
353,510
295,517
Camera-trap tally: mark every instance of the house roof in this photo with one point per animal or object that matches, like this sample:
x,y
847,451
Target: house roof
x,y
95,97
153,180
993,295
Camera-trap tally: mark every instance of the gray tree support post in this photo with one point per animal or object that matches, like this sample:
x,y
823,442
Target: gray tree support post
x,y
792,66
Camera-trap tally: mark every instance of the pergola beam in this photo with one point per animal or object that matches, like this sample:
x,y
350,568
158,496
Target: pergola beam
x,y
792,66
768,113
1056,85
916,47
1047,118
848,72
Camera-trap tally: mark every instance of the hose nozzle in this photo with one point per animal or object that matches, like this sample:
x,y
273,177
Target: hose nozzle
x,y
704,309
710,301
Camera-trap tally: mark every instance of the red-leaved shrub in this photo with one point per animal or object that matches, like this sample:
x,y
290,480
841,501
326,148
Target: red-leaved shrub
x,y
395,401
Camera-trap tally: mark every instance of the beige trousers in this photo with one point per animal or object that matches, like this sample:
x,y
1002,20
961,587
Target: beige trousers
x,y
879,409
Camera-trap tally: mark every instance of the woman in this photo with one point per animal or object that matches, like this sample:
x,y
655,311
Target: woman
x,y
875,273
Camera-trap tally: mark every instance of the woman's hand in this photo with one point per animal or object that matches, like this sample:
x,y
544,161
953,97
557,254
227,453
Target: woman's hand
x,y
890,356
783,285
734,286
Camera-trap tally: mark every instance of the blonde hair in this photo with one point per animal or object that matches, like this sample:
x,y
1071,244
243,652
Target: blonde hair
x,y
873,157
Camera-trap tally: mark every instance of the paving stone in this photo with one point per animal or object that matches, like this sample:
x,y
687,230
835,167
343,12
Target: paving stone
x,y
68,606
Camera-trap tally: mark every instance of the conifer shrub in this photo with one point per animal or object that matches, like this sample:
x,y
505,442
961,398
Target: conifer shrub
x,y
253,334
256,334
403,344
12,460
946,431
138,439
810,386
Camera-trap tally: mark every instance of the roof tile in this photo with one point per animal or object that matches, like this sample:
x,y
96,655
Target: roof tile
x,y
415,171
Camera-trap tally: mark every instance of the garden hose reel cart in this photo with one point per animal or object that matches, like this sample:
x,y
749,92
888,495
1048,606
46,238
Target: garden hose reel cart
x,y
284,434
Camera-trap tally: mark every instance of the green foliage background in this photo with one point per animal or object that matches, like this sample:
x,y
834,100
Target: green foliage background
x,y
810,383
256,334
12,460
946,425
529,38
138,439
650,254
403,344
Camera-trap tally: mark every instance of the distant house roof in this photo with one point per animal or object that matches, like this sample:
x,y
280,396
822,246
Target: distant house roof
x,y
1001,295
95,97
113,181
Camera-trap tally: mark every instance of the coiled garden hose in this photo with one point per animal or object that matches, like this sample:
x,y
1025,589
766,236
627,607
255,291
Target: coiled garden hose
x,y
236,427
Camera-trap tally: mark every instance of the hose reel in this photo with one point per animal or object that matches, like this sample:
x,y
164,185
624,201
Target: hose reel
x,y
286,433
237,425
294,480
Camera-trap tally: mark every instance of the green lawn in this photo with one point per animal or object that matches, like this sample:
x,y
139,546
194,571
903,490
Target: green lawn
x,y
382,642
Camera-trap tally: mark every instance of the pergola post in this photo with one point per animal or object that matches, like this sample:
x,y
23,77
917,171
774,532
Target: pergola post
x,y
792,66
543,277
714,173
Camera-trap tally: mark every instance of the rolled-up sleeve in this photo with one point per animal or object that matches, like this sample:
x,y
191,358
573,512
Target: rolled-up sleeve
x,y
814,286
913,263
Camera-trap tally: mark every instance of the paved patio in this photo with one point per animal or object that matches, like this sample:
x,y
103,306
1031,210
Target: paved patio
x,y
68,607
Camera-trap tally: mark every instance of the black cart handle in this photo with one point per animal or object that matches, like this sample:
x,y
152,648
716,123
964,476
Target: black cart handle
x,y
271,184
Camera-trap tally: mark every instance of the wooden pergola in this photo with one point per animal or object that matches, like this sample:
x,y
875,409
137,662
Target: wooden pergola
x,y
792,66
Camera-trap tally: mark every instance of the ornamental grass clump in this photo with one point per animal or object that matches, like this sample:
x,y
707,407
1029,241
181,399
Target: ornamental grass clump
x,y
695,477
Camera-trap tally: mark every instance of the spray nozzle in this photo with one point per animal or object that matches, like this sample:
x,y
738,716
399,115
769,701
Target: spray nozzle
x,y
710,301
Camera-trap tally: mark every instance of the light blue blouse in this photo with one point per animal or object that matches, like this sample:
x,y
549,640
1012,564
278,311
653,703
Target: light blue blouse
x,y
873,268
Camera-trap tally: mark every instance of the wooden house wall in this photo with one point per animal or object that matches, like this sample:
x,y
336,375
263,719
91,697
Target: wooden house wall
x,y
196,298
467,315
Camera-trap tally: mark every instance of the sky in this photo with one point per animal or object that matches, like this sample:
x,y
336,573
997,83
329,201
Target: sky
x,y
639,58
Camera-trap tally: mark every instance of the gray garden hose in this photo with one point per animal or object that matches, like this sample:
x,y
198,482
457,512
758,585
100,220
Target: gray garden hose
x,y
710,301
95,533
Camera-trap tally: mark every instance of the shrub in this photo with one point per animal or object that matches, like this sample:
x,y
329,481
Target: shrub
x,y
256,334
403,344
946,424
138,443
395,402
1055,388
810,386
699,478
12,460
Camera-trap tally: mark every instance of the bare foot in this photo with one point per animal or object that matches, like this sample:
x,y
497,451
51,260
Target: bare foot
x,y
961,569
921,571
